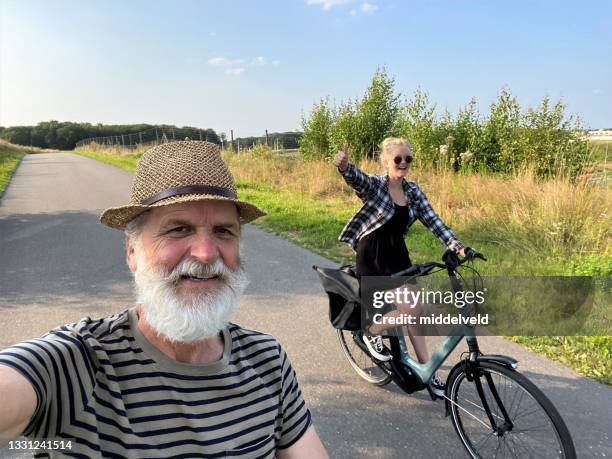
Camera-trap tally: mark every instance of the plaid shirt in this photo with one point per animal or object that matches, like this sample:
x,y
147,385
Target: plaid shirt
x,y
378,208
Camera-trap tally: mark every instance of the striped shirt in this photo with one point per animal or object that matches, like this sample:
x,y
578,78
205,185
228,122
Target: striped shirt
x,y
101,384
378,208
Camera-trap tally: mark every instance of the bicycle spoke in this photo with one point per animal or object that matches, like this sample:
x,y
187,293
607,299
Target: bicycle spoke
x,y
460,407
518,404
482,408
534,432
533,429
487,438
525,413
508,441
497,449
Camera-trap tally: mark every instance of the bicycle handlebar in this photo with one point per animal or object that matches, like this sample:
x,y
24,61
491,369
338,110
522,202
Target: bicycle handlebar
x,y
451,262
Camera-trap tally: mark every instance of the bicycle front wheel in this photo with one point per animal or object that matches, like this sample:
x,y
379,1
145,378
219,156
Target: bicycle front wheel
x,y
536,430
361,361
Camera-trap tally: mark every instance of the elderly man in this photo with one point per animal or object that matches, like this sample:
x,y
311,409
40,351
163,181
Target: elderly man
x,y
171,377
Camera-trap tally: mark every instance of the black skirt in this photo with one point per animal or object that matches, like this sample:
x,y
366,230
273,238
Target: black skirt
x,y
384,252
381,253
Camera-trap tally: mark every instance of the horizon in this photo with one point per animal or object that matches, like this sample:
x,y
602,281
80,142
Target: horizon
x,y
250,67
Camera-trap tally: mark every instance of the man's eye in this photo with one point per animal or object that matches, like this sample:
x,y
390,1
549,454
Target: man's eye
x,y
224,232
179,230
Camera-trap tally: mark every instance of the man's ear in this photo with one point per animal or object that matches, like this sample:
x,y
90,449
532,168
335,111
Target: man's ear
x,y
130,255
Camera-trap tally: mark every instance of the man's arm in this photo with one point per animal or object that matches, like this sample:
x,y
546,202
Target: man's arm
x,y
309,446
18,401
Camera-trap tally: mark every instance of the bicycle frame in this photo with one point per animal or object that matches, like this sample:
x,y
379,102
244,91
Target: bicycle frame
x,y
426,370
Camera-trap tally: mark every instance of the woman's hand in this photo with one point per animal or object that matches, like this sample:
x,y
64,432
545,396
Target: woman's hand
x,y
341,159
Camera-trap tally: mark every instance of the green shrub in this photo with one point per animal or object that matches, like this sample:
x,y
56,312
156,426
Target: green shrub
x,y
506,141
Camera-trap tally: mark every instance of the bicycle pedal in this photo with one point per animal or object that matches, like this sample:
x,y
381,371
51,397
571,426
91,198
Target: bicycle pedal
x,y
433,396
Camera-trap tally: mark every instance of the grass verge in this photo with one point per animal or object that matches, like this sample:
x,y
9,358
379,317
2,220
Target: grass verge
x,y
127,162
9,160
525,227
588,355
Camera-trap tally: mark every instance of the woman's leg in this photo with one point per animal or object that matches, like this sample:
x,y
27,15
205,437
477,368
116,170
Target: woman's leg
x,y
417,340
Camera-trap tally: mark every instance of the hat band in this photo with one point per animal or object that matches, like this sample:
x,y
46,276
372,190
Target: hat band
x,y
191,189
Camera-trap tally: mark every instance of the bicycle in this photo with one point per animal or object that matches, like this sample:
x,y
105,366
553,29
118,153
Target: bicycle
x,y
495,410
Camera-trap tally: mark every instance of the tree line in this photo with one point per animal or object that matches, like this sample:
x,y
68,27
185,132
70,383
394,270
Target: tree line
x,y
505,140
275,140
65,135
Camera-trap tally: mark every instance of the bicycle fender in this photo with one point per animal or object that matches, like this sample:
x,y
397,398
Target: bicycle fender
x,y
504,360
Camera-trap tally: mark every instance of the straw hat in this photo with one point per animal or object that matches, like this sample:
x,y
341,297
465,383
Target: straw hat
x,y
179,172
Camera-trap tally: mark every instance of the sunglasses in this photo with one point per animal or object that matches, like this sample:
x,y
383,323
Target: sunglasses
x,y
398,159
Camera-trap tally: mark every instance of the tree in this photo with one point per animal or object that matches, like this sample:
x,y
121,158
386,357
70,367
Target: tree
x,y
377,114
315,141
417,124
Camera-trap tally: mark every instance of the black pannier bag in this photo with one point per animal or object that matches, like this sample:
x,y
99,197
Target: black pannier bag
x,y
342,288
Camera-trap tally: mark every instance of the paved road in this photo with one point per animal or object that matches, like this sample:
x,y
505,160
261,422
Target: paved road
x,y
58,264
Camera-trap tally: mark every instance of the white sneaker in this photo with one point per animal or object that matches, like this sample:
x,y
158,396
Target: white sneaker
x,y
437,385
377,348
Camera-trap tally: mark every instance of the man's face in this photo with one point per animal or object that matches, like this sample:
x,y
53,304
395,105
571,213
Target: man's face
x,y
187,268
204,230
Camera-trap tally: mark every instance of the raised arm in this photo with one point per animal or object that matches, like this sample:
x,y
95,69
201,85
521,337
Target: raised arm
x,y
434,223
355,178
18,401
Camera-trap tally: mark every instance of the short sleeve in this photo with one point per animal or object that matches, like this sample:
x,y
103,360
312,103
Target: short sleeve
x,y
295,416
50,364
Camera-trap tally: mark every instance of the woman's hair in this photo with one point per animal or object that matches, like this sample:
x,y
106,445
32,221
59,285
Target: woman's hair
x,y
392,142
389,143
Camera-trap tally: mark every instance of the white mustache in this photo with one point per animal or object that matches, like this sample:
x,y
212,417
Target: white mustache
x,y
188,316
194,268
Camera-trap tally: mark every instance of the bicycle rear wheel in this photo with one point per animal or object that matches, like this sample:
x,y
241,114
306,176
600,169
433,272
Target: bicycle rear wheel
x,y
361,361
537,431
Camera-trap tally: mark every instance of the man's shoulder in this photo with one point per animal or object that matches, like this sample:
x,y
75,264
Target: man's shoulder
x,y
245,340
247,335
87,332
95,328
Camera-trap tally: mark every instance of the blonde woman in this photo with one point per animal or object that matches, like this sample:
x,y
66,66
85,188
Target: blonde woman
x,y
391,204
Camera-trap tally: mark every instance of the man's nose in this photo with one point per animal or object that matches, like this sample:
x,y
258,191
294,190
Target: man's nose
x,y
204,247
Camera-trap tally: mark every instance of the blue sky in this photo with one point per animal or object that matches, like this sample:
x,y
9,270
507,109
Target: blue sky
x,y
255,65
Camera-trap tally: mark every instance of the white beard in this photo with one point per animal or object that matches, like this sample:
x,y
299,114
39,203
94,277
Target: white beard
x,y
187,317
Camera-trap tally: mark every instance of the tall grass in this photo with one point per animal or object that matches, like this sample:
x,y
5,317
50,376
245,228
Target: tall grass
x,y
553,218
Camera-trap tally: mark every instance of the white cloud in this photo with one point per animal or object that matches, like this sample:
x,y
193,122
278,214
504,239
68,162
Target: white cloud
x,y
259,60
212,34
353,12
597,92
235,72
238,66
224,62
368,8
275,63
327,4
